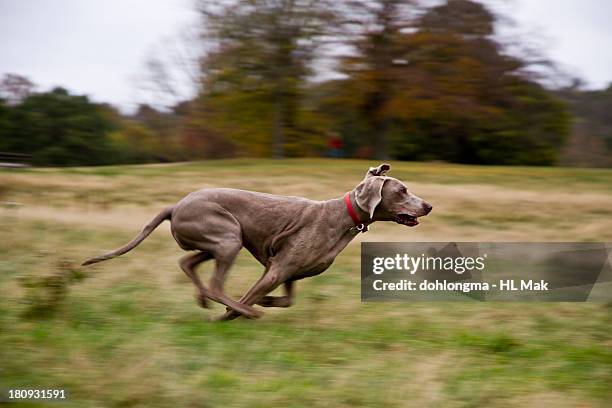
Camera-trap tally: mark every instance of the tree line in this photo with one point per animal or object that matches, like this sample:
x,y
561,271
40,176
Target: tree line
x,y
409,82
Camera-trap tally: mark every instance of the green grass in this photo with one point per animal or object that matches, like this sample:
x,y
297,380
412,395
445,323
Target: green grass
x,y
131,334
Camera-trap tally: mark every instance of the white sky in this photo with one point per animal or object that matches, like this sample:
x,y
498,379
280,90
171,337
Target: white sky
x,y
98,47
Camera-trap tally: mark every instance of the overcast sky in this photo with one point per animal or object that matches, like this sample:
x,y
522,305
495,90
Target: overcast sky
x,y
98,47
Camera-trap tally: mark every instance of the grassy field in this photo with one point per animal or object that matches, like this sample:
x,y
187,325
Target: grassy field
x,y
128,332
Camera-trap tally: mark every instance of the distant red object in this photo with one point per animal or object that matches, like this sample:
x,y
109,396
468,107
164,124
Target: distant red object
x,y
334,147
335,143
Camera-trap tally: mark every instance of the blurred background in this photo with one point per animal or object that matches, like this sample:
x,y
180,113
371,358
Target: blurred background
x,y
499,113
492,82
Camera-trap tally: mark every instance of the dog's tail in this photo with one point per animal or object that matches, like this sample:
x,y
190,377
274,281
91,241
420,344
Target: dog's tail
x,y
161,217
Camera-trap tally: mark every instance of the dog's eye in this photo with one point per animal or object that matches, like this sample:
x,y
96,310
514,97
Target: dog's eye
x,y
404,190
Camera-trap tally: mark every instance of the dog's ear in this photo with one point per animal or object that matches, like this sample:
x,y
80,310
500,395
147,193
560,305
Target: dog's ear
x,y
378,171
368,194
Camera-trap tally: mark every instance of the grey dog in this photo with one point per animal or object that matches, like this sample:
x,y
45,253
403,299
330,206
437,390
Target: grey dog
x,y
292,237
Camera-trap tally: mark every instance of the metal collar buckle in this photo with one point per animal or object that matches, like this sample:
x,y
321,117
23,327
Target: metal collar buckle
x,y
360,228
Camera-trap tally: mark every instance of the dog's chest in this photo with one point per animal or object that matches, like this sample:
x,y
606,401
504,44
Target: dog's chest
x,y
314,269
321,254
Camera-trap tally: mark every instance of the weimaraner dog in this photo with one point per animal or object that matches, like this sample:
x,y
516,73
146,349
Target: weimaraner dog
x,y
293,237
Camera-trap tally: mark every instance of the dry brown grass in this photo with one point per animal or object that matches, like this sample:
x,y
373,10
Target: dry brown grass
x,y
132,335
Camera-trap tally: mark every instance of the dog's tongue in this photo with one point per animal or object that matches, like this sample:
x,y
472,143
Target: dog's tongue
x,y
405,219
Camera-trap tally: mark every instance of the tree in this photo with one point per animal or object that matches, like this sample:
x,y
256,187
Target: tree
x,y
591,139
15,88
255,72
371,67
57,128
444,89
5,123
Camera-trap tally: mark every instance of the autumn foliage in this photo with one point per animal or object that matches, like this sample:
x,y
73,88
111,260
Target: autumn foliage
x,y
403,80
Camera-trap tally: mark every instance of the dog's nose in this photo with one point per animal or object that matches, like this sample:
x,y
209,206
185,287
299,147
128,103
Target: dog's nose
x,y
427,208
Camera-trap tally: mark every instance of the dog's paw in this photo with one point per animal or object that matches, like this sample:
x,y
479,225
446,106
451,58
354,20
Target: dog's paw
x,y
250,312
247,312
202,301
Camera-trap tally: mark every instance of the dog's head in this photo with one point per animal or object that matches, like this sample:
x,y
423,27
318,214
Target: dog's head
x,y
388,199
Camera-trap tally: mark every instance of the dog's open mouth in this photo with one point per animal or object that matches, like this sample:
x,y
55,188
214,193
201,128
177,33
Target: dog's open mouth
x,y
406,219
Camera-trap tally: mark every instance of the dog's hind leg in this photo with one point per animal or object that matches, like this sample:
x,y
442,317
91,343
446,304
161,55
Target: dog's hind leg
x,y
224,258
188,265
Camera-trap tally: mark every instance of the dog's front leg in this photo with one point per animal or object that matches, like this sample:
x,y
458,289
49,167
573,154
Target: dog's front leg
x,y
267,283
279,301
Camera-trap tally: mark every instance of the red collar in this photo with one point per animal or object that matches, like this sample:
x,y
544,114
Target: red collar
x,y
360,226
